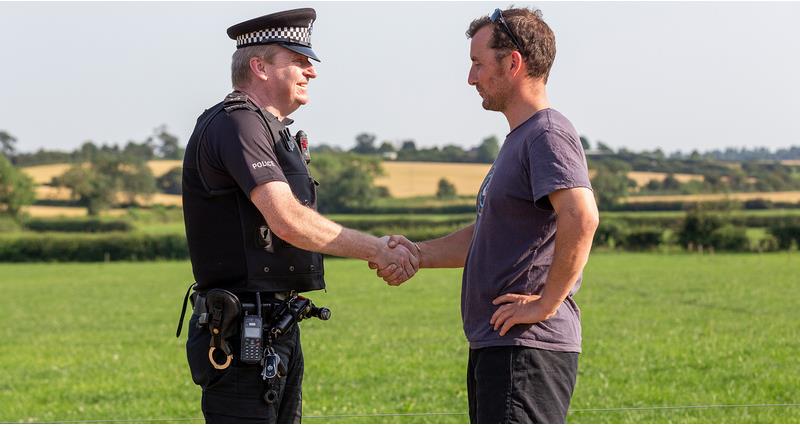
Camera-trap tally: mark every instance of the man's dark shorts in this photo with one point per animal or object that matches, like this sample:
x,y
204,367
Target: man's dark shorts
x,y
517,384
235,395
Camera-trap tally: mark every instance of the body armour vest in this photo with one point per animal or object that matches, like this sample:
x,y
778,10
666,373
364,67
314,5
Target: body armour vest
x,y
230,244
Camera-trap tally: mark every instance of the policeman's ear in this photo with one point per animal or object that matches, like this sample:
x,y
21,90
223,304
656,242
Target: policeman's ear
x,y
259,68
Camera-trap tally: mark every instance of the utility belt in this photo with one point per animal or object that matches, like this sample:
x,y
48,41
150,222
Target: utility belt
x,y
258,321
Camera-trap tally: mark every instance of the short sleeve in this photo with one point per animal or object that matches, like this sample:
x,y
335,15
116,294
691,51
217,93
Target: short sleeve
x,y
247,151
557,161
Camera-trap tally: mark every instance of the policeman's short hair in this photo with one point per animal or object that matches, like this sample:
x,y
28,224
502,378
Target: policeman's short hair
x,y
535,36
240,62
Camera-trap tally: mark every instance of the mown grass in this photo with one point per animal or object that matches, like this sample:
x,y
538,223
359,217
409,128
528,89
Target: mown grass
x,y
84,342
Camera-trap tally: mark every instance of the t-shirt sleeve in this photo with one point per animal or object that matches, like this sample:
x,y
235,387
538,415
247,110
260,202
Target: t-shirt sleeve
x,y
557,161
247,151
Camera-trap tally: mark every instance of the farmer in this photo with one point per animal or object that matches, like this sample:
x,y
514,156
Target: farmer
x,y
252,227
524,255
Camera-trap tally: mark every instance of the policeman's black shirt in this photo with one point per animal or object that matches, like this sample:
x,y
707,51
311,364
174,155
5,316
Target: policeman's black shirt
x,y
235,154
239,151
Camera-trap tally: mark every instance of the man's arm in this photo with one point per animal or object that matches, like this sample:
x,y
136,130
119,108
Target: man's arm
x,y
576,220
303,227
446,252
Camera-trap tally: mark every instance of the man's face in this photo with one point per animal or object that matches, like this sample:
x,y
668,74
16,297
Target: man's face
x,y
487,74
288,77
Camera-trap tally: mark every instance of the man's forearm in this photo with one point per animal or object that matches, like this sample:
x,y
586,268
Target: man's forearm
x,y
572,246
447,252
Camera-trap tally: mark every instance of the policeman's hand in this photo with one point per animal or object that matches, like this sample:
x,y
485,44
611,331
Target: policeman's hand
x,y
519,309
398,263
391,272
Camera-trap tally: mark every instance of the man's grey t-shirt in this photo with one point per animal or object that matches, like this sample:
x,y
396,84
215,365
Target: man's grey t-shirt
x,y
512,245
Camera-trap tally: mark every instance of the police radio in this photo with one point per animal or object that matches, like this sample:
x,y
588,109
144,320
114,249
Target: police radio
x,y
252,335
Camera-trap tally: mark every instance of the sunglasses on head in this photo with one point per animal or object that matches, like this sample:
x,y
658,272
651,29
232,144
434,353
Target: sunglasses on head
x,y
496,17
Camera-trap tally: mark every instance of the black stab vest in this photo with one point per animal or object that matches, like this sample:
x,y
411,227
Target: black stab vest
x,y
230,245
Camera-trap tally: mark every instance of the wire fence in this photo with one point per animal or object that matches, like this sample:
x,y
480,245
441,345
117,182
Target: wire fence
x,y
374,415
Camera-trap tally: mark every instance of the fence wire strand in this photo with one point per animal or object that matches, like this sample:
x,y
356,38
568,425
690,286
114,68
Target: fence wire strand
x,y
334,416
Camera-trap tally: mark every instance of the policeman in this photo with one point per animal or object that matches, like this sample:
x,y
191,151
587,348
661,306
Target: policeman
x,y
252,228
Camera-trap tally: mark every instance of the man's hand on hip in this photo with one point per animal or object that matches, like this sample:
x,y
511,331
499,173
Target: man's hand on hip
x,y
520,309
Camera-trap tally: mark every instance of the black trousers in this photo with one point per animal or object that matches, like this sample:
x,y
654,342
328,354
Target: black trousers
x,y
516,384
236,394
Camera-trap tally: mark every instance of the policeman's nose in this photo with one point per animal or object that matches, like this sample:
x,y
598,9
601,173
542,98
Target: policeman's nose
x,y
310,72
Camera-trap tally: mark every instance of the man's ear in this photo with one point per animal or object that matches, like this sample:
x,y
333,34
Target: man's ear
x,y
258,68
517,64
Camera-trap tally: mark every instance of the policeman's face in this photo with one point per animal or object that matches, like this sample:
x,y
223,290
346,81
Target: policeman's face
x,y
487,74
288,78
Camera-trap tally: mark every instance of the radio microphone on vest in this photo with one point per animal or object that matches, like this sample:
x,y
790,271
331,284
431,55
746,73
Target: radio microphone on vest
x,y
302,142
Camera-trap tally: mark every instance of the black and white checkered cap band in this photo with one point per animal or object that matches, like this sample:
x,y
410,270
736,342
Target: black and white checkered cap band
x,y
301,35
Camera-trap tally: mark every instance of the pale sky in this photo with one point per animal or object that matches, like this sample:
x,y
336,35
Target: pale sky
x,y
637,75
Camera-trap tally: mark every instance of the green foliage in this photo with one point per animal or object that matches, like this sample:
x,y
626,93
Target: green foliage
x,y
78,225
16,188
611,184
346,181
698,229
95,184
645,238
170,182
365,144
488,149
786,234
730,238
7,144
609,233
446,190
92,248
170,148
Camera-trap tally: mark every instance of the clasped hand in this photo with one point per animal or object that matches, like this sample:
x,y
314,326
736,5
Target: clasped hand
x,y
397,261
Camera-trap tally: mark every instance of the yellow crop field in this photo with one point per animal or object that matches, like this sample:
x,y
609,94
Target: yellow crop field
x,y
45,174
786,197
412,179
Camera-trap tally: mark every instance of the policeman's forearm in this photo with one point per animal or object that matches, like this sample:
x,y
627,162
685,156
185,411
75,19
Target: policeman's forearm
x,y
574,234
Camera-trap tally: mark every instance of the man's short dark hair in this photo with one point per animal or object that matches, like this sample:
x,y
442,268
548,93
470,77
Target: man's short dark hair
x,y
534,35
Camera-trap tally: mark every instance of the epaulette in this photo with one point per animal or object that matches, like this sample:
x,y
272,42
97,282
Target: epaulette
x,y
237,100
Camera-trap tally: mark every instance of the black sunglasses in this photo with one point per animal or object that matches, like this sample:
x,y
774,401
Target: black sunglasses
x,y
497,16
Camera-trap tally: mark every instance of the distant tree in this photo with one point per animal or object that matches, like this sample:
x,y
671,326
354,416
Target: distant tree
x,y
585,143
170,182
446,190
136,179
365,144
7,143
604,148
488,149
346,181
454,153
87,151
385,147
324,148
408,146
697,229
16,188
670,183
611,184
169,147
139,151
96,183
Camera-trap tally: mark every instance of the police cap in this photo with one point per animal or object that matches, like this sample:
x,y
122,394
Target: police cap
x,y
289,28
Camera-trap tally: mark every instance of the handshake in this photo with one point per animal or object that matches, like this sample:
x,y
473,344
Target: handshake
x,y
397,259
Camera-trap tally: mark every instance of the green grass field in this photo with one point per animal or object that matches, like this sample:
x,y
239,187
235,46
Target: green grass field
x,y
95,342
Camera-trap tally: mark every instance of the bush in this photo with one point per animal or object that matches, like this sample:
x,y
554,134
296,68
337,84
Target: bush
x,y
446,190
93,248
697,228
786,234
608,234
642,239
730,238
77,225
